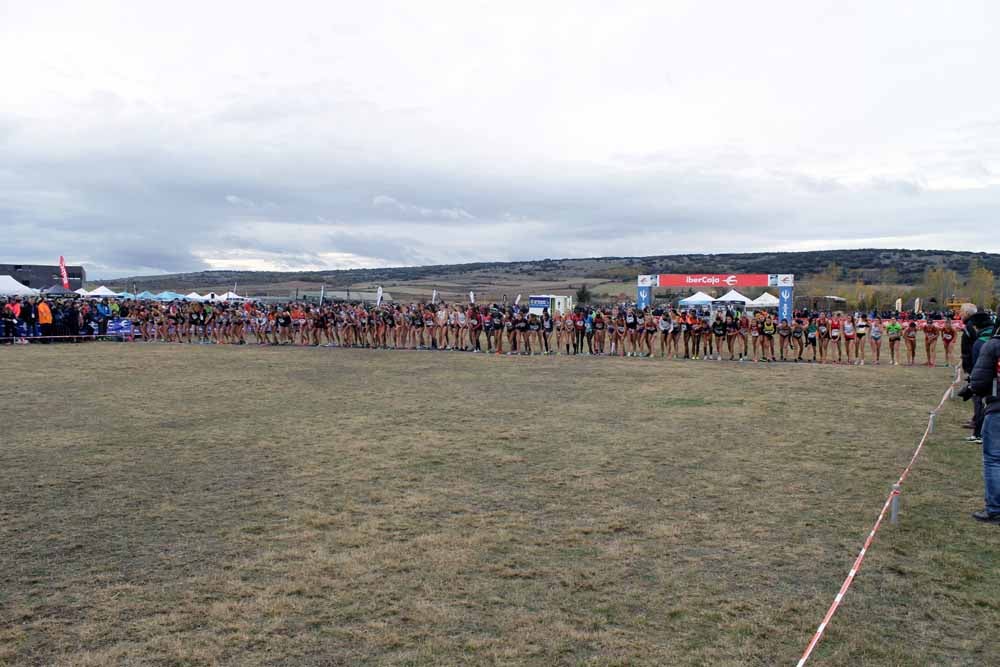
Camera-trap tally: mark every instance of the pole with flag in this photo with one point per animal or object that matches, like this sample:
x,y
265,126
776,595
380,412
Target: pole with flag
x,y
517,301
378,297
434,297
472,296
322,292
62,272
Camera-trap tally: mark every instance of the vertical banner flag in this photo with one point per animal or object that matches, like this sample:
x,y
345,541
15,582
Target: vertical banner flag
x,y
899,305
644,290
62,272
643,297
322,293
472,297
916,306
517,301
785,304
378,296
434,297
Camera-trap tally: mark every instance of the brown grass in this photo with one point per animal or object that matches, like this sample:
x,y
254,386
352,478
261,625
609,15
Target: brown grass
x,y
169,505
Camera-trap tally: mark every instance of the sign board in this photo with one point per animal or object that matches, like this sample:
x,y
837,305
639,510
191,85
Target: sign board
x,y
644,296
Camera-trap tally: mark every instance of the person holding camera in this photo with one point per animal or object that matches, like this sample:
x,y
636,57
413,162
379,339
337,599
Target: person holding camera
x,y
983,382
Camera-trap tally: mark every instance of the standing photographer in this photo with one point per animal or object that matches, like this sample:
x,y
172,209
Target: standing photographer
x,y
974,324
983,383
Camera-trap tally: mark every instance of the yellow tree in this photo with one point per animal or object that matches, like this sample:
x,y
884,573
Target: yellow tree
x,y
980,289
940,284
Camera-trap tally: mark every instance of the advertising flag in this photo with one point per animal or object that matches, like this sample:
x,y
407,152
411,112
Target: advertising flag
x,y
378,296
434,297
472,296
62,272
517,301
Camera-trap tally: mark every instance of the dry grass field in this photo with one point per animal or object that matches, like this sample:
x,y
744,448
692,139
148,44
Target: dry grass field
x,y
189,505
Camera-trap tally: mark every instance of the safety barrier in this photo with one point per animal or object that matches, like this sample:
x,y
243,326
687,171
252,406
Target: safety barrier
x,y
891,504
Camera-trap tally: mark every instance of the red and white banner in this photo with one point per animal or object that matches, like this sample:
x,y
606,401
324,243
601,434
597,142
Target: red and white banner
x,y
62,272
731,280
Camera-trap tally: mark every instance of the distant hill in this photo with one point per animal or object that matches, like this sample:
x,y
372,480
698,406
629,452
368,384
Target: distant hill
x,y
905,267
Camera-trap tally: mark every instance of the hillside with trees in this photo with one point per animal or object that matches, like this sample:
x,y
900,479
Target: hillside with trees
x,y
862,276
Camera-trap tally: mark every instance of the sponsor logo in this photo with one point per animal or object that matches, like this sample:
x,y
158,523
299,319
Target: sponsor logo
x,y
646,281
786,294
731,280
702,280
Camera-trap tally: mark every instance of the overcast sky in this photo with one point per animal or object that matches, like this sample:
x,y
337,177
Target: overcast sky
x,y
142,137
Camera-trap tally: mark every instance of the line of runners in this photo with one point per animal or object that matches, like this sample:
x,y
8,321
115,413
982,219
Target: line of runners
x,y
823,338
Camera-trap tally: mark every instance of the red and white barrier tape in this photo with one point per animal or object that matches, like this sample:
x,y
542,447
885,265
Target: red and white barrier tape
x,y
878,523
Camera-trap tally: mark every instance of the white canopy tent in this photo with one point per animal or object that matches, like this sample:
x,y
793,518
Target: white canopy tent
x,y
11,287
231,296
102,291
697,299
732,296
765,300
82,292
194,296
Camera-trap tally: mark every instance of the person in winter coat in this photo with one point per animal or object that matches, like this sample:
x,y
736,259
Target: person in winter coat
x,y
983,382
974,322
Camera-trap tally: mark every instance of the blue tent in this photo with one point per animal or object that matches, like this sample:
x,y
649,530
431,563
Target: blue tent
x,y
126,295
145,295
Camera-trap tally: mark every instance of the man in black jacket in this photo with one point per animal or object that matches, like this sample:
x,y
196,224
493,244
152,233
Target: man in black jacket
x,y
974,322
983,382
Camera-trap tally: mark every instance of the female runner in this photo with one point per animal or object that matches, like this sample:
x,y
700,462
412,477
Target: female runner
x,y
767,331
600,327
732,333
631,325
850,334
666,325
836,337
910,336
785,338
894,330
798,334
948,338
859,347
744,341
755,339
876,341
619,329
648,331
719,332
930,342
823,333
812,334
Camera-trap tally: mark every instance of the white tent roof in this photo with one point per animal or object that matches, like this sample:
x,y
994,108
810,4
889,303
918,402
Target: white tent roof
x,y
194,296
697,299
82,292
732,296
102,291
11,287
231,296
765,300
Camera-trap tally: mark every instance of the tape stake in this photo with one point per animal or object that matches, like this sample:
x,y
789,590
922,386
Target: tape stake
x,y
894,506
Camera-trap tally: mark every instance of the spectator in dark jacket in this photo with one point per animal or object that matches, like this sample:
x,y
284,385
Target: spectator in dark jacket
x,y
983,382
974,322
